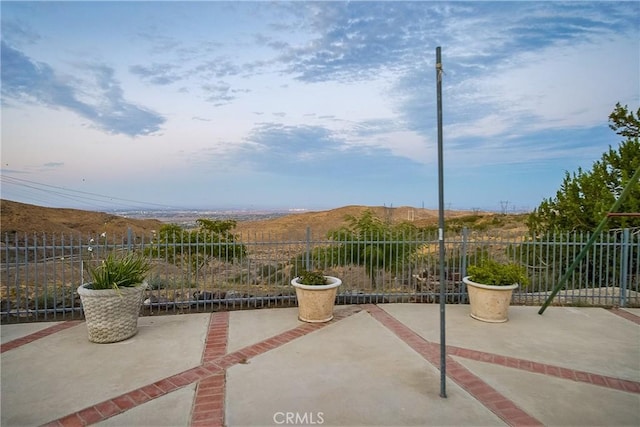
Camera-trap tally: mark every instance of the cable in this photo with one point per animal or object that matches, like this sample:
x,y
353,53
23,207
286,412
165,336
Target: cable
x,y
75,195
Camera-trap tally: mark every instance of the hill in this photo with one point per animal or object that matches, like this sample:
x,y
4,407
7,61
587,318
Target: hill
x,y
25,218
321,222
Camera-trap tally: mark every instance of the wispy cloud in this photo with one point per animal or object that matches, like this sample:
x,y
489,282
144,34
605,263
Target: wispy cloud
x,y
221,93
285,92
356,39
316,151
160,74
18,32
511,75
293,145
37,82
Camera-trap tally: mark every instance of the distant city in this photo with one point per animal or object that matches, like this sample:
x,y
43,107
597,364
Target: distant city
x,y
187,217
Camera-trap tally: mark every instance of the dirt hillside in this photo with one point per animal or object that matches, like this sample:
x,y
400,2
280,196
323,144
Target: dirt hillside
x,y
25,218
322,222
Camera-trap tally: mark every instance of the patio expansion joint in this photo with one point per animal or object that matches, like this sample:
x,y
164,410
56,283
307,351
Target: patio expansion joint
x,y
210,375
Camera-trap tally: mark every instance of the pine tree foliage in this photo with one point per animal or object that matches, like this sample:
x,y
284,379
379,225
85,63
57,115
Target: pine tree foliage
x,y
585,197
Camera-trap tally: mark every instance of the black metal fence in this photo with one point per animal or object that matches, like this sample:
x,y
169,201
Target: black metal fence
x,y
40,273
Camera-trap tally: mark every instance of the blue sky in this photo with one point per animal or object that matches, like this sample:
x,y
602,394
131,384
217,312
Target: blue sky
x,y
308,104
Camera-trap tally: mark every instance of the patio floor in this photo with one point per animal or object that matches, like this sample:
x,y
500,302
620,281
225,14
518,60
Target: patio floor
x,y
371,365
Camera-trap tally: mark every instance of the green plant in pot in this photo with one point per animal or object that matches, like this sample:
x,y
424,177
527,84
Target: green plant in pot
x,y
316,295
116,272
492,272
312,278
490,285
111,300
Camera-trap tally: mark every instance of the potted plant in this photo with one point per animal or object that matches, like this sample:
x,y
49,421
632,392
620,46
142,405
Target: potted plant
x,y
111,300
490,285
316,294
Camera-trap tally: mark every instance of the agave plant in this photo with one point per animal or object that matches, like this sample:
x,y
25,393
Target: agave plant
x,y
119,271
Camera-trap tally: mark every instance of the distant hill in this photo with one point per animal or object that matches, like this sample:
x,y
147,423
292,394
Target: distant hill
x,y
321,222
25,218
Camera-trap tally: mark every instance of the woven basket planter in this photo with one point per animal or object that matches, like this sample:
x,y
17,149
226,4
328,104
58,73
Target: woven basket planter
x,y
111,314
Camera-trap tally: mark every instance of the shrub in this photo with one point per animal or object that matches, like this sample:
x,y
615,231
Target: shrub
x,y
491,272
311,278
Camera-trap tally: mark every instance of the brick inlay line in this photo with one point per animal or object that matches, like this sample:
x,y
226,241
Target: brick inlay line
x,y
492,399
209,403
209,400
626,315
215,345
27,339
546,369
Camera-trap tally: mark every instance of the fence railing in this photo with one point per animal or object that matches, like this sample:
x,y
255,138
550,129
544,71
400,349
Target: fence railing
x,y
39,274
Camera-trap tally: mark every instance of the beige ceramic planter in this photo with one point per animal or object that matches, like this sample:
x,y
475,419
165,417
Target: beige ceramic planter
x,y
489,303
111,314
315,303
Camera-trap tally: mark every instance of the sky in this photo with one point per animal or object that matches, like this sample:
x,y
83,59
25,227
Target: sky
x,y
308,105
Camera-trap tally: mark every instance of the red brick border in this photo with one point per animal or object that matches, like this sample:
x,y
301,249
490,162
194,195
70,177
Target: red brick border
x,y
626,315
216,341
208,409
493,400
19,342
208,402
117,405
546,369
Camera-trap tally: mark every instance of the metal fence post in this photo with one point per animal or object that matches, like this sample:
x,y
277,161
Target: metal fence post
x,y
624,266
308,251
463,261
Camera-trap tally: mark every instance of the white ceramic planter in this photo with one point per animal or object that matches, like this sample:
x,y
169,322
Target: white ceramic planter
x,y
489,303
315,303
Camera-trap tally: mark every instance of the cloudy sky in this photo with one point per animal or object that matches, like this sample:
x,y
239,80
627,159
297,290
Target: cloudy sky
x,y
308,104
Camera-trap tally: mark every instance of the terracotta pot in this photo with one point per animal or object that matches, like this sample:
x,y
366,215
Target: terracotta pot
x,y
489,303
315,302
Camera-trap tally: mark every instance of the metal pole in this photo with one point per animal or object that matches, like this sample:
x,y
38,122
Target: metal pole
x,y
591,241
307,264
443,346
624,266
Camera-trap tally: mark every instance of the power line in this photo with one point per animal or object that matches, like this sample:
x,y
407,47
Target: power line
x,y
76,195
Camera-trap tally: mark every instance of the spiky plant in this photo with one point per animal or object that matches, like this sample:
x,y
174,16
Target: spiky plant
x,y
119,271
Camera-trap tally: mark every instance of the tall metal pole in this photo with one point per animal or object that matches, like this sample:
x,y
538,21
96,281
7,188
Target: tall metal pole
x,y
443,346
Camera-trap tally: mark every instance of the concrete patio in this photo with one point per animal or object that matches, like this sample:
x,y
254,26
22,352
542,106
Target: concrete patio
x,y
371,365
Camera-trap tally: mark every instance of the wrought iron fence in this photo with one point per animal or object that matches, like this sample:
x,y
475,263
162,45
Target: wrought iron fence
x,y
40,273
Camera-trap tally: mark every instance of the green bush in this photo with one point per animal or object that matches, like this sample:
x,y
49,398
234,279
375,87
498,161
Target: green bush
x,y
491,272
312,278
